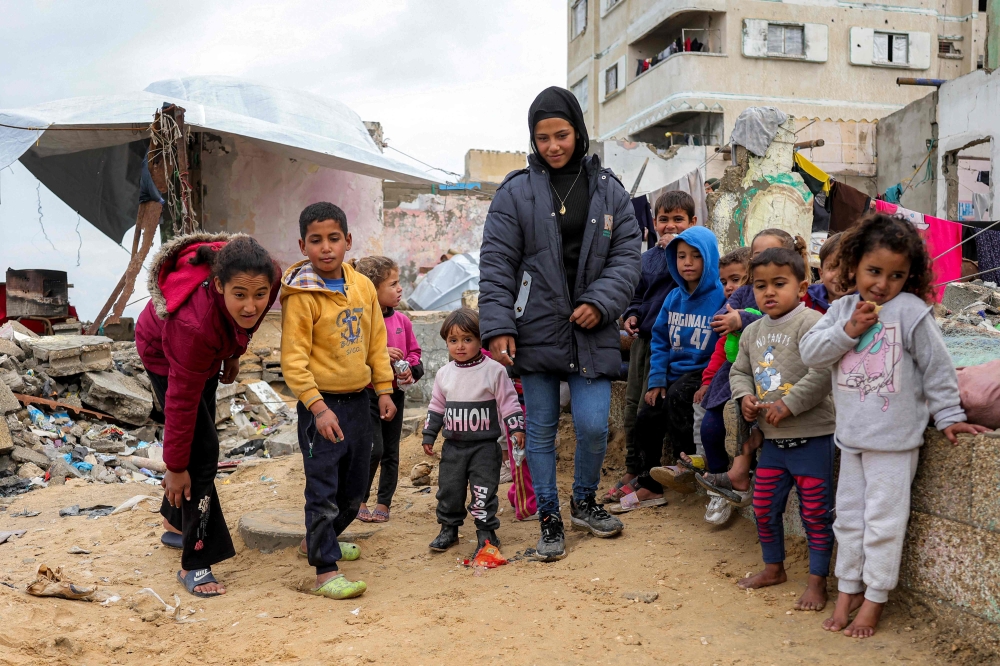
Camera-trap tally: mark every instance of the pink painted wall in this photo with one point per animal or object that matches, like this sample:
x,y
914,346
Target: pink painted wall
x,y
259,193
417,233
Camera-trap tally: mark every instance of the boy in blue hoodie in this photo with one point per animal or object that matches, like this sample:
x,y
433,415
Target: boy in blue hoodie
x,y
683,342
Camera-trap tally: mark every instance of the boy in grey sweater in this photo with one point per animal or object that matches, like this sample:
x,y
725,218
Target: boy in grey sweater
x,y
891,372
792,405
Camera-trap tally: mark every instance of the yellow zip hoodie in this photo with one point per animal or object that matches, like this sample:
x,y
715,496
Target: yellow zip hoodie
x,y
331,342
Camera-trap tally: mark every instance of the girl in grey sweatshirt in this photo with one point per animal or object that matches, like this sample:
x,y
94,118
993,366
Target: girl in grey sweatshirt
x,y
891,372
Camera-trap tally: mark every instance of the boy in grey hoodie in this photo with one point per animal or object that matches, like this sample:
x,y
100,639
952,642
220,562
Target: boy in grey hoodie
x,y
891,372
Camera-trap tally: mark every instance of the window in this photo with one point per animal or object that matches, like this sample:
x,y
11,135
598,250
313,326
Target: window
x,y
983,5
608,5
580,90
785,40
948,48
890,47
611,80
578,18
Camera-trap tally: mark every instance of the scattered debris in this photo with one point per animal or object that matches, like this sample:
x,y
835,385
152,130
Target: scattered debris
x,y
6,536
132,503
420,475
49,583
91,512
24,513
644,597
76,550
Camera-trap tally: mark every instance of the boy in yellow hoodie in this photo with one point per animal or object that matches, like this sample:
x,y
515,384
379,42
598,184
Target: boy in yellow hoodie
x,y
333,345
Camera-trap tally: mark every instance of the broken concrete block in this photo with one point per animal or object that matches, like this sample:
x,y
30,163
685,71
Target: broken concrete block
x,y
24,455
30,471
261,393
11,348
12,380
60,470
8,403
6,441
121,396
283,443
72,354
960,295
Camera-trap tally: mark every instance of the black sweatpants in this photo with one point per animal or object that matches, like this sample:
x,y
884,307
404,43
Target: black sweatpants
x,y
385,448
206,535
336,474
474,466
673,415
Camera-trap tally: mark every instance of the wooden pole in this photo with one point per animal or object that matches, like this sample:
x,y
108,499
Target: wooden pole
x,y
147,222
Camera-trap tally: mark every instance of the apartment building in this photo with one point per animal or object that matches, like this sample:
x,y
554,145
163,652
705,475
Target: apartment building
x,y
681,71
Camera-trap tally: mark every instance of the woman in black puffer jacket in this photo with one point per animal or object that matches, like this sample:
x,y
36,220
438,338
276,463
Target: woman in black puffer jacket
x,y
559,264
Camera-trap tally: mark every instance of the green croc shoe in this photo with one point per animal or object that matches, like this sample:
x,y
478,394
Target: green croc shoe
x,y
349,551
339,587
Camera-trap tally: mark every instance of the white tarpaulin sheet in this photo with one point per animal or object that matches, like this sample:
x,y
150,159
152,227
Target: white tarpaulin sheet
x,y
442,288
96,171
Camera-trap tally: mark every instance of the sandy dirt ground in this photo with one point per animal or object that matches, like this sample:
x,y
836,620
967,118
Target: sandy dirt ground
x,y
421,608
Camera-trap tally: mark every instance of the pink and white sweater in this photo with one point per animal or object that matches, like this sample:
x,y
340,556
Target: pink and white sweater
x,y
399,334
469,401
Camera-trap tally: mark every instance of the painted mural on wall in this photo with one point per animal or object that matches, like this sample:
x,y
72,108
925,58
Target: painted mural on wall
x,y
762,192
418,232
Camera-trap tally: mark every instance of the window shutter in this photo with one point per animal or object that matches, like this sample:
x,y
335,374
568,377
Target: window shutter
x,y
755,33
920,50
817,42
862,46
793,40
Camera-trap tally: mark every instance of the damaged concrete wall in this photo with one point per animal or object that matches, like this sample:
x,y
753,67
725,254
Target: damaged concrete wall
x,y
251,190
849,148
419,231
966,114
902,144
762,192
665,166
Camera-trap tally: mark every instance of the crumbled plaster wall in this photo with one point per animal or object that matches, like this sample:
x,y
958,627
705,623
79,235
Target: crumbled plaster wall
x,y
762,192
418,232
250,190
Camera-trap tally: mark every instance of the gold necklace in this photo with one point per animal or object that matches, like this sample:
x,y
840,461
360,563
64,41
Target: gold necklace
x,y
562,200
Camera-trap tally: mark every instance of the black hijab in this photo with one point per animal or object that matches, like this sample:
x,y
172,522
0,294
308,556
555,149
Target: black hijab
x,y
556,102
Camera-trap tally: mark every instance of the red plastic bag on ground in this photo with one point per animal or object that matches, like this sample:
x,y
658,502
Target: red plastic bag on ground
x,y
488,557
979,390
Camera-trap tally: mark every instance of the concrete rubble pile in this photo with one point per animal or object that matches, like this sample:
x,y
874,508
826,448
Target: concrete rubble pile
x,y
976,303
79,408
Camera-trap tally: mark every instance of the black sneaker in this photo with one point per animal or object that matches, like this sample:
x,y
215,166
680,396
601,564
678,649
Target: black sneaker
x,y
552,545
487,535
591,516
446,539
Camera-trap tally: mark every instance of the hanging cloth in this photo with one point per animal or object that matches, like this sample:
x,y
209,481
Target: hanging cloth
x,y
644,217
847,205
943,240
815,178
894,193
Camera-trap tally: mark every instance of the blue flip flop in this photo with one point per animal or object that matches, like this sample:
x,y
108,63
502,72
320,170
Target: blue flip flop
x,y
172,540
196,577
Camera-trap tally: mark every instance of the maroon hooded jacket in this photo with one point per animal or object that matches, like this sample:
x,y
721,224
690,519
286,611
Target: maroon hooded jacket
x,y
185,333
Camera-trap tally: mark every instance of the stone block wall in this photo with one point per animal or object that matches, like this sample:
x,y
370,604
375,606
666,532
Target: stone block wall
x,y
427,329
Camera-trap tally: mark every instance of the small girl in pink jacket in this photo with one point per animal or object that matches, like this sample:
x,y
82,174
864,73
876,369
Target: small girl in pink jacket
x,y
402,343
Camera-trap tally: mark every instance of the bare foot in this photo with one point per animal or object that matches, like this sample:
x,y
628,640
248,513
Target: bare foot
x,y
865,621
846,604
207,588
170,528
755,441
814,598
773,574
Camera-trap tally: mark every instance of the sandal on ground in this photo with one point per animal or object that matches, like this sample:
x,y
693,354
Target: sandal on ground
x,y
365,516
615,493
674,477
339,587
172,540
631,502
379,516
195,578
348,551
721,485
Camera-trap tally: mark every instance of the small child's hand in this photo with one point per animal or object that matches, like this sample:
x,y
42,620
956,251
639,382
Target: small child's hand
x,y
776,412
328,425
749,405
518,438
664,240
730,322
386,409
653,394
632,326
405,378
699,395
951,431
429,449
395,354
864,317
